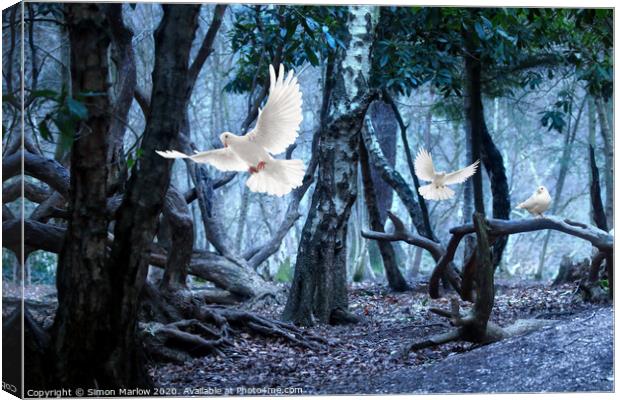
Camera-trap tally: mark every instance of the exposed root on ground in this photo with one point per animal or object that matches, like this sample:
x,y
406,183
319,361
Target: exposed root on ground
x,y
182,326
464,324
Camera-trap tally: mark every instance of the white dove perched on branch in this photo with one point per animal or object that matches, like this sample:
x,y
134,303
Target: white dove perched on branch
x,y
276,129
538,202
438,189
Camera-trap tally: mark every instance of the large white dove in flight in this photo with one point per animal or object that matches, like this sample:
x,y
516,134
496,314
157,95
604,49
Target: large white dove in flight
x,y
276,128
438,189
538,202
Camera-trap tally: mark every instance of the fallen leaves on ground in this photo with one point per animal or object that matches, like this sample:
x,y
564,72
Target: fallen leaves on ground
x,y
389,321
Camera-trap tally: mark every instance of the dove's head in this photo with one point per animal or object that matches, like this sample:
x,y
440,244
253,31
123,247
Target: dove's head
x,y
226,137
541,190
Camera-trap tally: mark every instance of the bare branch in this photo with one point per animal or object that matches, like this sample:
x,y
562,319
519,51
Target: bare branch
x,y
191,194
44,169
401,234
32,192
36,235
499,228
207,44
392,177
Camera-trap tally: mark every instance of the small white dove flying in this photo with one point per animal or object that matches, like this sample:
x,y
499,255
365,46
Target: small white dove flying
x,y
276,128
538,202
438,189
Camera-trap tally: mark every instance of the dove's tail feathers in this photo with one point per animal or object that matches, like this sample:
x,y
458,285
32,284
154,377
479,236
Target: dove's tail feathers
x,y
278,177
432,192
171,154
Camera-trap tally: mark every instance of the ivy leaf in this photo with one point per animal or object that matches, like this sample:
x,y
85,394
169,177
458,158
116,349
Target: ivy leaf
x,y
488,24
506,36
553,120
330,40
384,60
131,159
312,24
480,31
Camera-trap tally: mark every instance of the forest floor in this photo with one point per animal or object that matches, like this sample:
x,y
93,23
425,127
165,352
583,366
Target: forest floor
x,y
568,356
575,354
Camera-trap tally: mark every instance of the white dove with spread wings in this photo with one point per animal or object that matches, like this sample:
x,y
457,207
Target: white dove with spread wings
x,y
276,129
438,189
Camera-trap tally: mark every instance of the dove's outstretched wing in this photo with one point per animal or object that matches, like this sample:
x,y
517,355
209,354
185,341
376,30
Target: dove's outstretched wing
x,y
222,159
278,122
461,175
423,166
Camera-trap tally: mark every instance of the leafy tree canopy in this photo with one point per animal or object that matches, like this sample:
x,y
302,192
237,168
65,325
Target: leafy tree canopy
x,y
292,35
418,45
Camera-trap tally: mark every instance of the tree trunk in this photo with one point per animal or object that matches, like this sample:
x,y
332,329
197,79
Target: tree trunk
x,y
596,203
474,119
181,226
243,214
318,292
608,174
84,323
95,327
468,203
598,212
395,180
428,231
385,126
417,261
476,331
395,279
494,165
559,187
478,134
123,90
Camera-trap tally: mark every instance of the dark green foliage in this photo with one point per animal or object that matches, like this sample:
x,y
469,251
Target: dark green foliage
x,y
65,114
554,118
590,49
132,158
292,35
419,45
517,48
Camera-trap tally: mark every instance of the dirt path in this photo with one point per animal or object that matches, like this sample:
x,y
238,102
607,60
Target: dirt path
x,y
359,357
571,356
